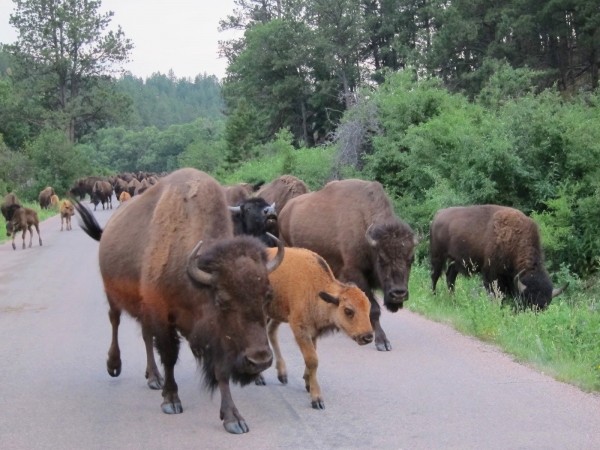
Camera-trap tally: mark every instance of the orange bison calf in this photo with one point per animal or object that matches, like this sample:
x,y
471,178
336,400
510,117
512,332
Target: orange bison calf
x,y
66,212
54,201
307,295
23,219
124,196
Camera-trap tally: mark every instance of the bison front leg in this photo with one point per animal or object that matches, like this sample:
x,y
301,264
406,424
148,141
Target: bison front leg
x,y
13,240
61,223
232,419
309,352
167,344
24,236
155,380
272,328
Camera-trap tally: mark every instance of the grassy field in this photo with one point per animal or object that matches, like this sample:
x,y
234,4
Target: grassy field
x,y
43,214
563,341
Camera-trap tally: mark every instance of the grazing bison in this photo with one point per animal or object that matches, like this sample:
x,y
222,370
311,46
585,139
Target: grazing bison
x,y
351,224
307,295
500,242
45,197
281,190
152,269
10,204
102,193
255,217
23,219
66,212
236,193
132,186
124,196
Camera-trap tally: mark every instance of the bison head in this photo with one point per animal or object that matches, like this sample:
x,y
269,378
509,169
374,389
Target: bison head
x,y
393,245
231,336
352,312
255,217
535,288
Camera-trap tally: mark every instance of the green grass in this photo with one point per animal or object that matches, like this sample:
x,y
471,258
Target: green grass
x,y
43,214
563,341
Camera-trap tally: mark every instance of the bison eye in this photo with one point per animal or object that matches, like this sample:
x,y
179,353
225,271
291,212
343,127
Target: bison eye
x,y
349,312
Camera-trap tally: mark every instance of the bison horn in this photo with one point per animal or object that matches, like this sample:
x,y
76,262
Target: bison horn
x,y
521,286
372,242
194,272
556,292
277,260
235,209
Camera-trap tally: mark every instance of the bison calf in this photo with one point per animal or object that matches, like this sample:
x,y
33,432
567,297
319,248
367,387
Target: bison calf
x,y
23,219
66,212
307,295
124,196
54,201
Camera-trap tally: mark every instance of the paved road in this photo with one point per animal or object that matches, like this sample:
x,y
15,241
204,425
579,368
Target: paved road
x,y
435,390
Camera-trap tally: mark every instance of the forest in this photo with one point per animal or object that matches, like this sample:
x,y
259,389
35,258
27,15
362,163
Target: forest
x,y
443,102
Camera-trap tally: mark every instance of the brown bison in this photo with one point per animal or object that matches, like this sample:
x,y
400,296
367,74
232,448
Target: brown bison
x,y
119,186
152,269
54,201
45,197
124,196
307,295
502,243
236,193
10,204
102,193
351,224
66,212
281,190
143,186
132,186
23,219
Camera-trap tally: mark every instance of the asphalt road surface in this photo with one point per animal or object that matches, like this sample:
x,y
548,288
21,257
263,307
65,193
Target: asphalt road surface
x,y
435,390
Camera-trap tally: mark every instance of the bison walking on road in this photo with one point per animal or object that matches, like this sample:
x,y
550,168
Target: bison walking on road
x,y
351,224
45,197
102,193
66,212
307,295
152,268
24,219
10,204
500,242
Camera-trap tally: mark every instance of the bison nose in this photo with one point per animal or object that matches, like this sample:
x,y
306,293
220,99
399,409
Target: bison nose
x,y
399,295
258,361
365,338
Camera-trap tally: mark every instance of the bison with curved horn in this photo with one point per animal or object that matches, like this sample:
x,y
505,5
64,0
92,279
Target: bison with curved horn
x,y
170,260
351,224
501,243
255,217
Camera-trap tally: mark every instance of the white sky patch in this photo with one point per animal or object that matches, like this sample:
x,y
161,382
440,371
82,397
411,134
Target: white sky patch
x,y
168,34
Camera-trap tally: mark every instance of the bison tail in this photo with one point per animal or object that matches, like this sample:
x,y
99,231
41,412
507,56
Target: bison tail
x,y
88,222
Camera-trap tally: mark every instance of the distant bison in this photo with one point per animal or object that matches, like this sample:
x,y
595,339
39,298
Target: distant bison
x,y
45,197
132,186
307,295
236,193
351,224
54,201
102,193
119,186
66,212
23,219
10,204
281,190
255,217
153,269
124,196
500,242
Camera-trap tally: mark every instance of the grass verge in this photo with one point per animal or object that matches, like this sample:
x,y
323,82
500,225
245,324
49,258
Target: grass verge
x,y
43,214
563,341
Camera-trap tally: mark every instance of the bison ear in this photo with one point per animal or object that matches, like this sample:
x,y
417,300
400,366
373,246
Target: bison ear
x,y
329,298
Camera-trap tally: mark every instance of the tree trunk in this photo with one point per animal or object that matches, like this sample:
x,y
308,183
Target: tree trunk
x,y
594,68
304,126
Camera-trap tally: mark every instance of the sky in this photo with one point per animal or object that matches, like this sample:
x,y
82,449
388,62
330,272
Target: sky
x,y
168,34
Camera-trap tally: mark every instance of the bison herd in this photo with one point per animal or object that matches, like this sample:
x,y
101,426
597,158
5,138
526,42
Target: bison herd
x,y
224,266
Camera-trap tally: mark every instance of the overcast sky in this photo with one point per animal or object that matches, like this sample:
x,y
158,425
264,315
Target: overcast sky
x,y
168,34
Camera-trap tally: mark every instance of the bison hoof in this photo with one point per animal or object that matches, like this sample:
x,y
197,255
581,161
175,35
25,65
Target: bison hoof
x,y
14,247
383,346
282,378
260,381
113,367
171,407
318,404
238,427
155,384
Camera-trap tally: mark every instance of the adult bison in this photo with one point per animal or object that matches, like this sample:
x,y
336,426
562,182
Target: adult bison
x,y
102,193
500,242
152,269
119,186
281,190
255,217
10,204
351,223
132,186
45,197
236,193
